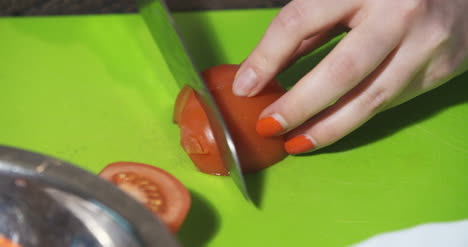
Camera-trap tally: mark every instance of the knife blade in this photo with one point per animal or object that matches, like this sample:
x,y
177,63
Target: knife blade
x,y
164,32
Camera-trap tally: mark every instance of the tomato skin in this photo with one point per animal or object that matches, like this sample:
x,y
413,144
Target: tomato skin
x,y
240,114
175,198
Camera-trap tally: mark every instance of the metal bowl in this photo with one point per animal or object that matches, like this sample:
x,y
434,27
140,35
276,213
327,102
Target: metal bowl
x,y
48,202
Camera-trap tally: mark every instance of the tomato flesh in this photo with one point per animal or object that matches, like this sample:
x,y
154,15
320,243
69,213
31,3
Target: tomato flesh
x,y
180,102
156,189
240,113
142,189
197,137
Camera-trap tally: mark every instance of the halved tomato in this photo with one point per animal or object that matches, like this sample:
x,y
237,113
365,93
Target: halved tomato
x,y
241,114
157,189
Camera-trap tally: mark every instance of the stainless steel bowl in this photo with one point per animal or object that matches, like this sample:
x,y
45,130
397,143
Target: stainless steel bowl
x,y
48,202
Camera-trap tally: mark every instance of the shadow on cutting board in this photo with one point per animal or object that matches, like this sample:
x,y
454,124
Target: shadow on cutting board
x,y
296,71
255,183
412,112
201,224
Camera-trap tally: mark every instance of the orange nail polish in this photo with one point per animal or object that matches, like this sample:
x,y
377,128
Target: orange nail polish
x,y
299,144
269,126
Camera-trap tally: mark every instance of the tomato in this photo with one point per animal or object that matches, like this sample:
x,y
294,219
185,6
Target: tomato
x,y
196,136
240,113
157,189
180,102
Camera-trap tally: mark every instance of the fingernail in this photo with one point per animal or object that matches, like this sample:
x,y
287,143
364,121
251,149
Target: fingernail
x,y
299,144
245,82
271,126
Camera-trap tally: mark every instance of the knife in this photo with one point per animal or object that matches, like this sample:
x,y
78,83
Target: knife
x,y
164,31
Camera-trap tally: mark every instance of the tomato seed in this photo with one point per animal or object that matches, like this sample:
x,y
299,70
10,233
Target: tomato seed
x,y
142,182
131,176
118,178
154,208
124,177
155,202
151,188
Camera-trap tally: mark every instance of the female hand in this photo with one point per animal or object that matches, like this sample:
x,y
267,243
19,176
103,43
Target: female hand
x,y
394,51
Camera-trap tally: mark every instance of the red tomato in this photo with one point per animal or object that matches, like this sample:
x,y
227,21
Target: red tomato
x,y
196,136
240,113
158,190
180,102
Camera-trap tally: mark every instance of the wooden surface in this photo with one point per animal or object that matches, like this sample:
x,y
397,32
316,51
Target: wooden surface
x,y
66,7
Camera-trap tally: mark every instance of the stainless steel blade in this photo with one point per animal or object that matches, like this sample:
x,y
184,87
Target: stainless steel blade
x,y
164,32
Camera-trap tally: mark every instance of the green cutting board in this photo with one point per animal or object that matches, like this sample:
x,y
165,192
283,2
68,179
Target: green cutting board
x,y
94,90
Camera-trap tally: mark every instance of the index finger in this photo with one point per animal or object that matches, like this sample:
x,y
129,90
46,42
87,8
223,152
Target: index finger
x,y
355,57
297,21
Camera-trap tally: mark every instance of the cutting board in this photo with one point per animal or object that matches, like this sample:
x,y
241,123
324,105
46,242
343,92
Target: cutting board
x,y
93,90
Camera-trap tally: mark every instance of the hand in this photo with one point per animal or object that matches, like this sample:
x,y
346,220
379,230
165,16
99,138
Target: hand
x,y
394,51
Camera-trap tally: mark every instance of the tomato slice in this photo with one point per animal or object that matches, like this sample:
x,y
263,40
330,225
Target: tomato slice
x,y
240,113
5,242
197,137
157,189
180,102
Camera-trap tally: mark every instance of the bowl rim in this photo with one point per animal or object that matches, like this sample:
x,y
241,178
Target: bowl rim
x,y
147,228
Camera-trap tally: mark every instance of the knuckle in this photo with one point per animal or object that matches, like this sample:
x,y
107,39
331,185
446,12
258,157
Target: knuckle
x,y
260,64
410,8
343,70
294,109
445,70
301,112
374,100
439,72
329,132
290,17
439,33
